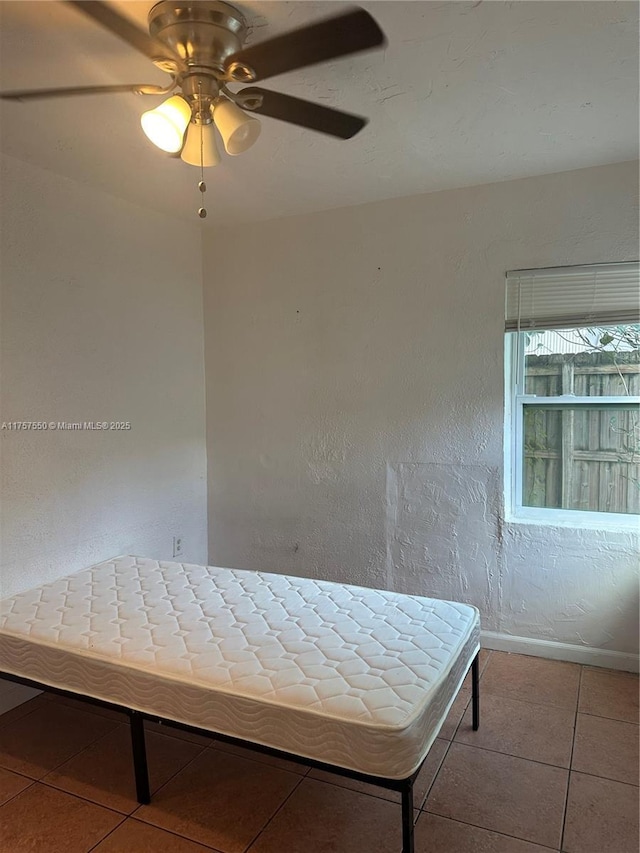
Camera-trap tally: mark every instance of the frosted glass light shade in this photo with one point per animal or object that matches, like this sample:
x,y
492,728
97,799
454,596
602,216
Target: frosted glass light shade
x,y
238,130
165,125
191,151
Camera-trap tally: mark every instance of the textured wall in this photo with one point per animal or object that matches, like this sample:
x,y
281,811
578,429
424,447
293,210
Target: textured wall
x,y
101,320
354,366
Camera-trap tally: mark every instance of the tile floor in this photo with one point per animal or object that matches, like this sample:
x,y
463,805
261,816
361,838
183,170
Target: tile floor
x,y
553,767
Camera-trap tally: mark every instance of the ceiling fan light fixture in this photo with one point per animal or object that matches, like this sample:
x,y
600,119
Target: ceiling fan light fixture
x,y
200,140
201,45
238,130
165,125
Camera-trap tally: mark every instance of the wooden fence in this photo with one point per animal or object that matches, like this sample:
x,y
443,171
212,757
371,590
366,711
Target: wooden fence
x,y
586,459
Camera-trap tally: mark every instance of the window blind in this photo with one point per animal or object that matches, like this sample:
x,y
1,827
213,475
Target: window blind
x,y
570,297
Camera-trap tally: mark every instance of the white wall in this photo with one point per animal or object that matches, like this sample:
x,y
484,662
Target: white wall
x,y
354,363
101,321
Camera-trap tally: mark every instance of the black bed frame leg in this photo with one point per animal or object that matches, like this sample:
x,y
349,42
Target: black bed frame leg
x,y
475,691
407,817
136,721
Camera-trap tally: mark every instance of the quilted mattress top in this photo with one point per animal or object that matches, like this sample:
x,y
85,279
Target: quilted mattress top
x,y
344,652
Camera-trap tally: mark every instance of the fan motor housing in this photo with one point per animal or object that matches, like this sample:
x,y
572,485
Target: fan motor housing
x,y
203,33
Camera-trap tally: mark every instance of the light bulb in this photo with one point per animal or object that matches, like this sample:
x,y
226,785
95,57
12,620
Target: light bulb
x,y
191,151
165,125
238,130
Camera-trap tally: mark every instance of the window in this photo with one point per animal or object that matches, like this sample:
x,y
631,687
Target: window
x,y
573,394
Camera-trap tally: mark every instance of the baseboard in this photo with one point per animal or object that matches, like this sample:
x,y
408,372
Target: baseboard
x,y
12,695
560,651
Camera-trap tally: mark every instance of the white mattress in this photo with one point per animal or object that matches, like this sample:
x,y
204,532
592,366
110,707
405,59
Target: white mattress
x,y
354,677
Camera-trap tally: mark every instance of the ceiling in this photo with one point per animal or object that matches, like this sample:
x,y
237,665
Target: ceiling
x,y
465,93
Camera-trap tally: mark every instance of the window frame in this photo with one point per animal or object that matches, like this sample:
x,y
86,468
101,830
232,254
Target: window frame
x,y
515,402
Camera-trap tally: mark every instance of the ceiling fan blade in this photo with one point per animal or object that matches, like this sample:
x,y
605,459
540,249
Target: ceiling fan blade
x,y
124,29
341,35
38,94
303,113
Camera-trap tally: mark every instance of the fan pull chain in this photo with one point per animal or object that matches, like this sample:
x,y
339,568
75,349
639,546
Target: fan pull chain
x,y
202,211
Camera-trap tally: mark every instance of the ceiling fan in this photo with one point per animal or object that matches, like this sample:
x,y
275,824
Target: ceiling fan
x,y
200,44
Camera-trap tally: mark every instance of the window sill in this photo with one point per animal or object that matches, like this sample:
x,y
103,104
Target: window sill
x,y
576,520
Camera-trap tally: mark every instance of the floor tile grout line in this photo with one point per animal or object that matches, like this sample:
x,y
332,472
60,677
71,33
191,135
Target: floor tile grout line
x,y
355,791
22,773
556,707
136,813
20,717
486,663
496,831
120,814
611,671
104,837
573,746
17,794
77,752
83,704
168,731
174,833
605,778
510,755
87,799
84,799
64,761
276,812
613,719
489,693
446,752
80,704
112,808
139,806
265,763
201,749
422,805
136,807
18,773
345,787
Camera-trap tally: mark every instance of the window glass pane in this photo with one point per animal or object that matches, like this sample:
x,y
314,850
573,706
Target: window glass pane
x,y
542,480
589,362
582,458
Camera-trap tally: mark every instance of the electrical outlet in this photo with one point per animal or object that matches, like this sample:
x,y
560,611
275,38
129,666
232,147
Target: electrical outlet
x,y
178,546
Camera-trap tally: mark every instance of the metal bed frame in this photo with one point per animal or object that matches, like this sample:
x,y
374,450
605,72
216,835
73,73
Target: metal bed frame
x,y
136,723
